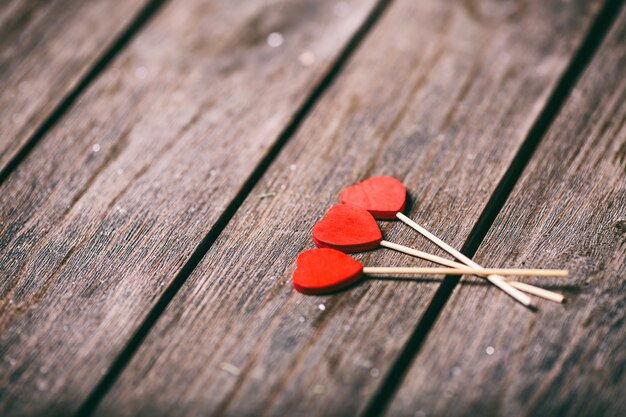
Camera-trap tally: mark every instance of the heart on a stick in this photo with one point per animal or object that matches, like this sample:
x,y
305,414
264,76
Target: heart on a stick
x,y
321,271
383,196
347,228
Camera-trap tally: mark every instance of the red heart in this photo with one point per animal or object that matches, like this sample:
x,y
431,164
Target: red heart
x,y
348,229
325,270
381,196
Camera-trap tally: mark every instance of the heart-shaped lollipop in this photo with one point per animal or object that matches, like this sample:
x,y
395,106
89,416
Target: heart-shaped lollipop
x,y
348,229
383,196
325,270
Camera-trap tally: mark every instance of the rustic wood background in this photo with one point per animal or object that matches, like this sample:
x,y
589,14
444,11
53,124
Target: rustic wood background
x,y
162,164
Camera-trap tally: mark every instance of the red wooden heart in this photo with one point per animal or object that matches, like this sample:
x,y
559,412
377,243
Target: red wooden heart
x,y
381,196
320,271
348,229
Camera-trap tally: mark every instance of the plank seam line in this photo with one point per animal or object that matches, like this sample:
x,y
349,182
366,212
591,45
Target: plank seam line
x,y
599,28
115,48
125,355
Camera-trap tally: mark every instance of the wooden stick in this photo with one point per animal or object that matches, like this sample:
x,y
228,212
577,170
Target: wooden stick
x,y
463,270
496,280
527,288
536,291
480,272
368,270
419,254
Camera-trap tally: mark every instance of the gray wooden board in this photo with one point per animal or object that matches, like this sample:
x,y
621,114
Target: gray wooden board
x,y
568,211
439,95
102,214
45,49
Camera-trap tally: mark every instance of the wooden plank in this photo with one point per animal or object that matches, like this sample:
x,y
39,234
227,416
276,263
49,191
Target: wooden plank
x,y
444,111
46,48
568,210
102,215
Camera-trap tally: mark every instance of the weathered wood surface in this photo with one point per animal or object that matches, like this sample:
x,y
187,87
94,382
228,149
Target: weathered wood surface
x,y
46,48
568,210
101,216
444,108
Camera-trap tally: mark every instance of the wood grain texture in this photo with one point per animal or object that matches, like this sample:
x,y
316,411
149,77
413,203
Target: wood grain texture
x,y
100,217
568,210
444,108
46,48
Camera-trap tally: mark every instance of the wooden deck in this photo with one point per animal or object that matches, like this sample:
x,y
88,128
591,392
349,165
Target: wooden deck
x,y
162,163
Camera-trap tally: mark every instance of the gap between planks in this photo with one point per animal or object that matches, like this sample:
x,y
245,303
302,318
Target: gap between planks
x,y
118,44
126,354
576,67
